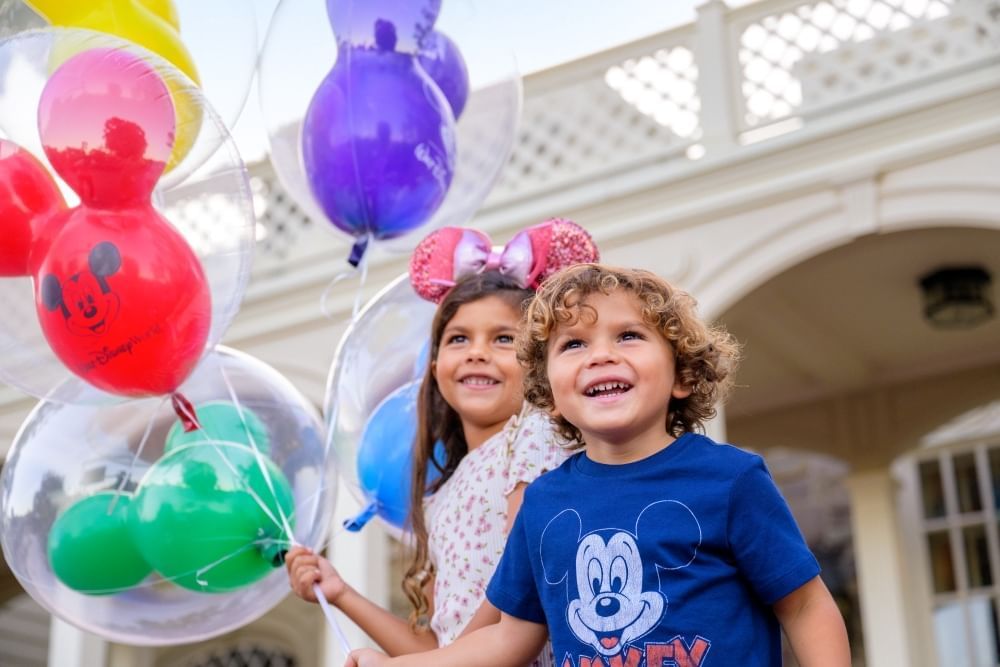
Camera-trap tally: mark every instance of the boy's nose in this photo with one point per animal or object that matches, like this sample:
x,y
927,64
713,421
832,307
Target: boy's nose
x,y
602,353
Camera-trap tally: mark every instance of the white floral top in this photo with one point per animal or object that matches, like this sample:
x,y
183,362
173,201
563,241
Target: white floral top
x,y
467,517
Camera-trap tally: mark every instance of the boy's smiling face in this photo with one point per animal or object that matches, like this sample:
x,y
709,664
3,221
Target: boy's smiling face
x,y
613,378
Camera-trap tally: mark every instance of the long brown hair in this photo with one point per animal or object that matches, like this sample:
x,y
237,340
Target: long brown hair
x,y
439,422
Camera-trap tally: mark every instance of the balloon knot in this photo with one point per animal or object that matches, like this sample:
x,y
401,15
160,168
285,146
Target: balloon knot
x,y
358,251
185,412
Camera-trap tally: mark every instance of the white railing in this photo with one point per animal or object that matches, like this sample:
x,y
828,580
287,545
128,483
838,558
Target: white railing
x,y
772,39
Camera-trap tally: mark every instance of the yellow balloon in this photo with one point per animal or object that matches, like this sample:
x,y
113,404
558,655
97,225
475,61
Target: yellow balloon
x,y
165,9
150,24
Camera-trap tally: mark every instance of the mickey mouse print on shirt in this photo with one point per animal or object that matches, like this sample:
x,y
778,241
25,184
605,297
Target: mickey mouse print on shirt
x,y
613,607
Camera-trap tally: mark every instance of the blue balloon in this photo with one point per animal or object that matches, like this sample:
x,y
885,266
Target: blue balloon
x,y
378,144
385,458
443,62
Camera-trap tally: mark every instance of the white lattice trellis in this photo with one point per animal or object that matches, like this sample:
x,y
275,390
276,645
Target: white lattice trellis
x,y
663,86
281,223
579,132
930,47
771,45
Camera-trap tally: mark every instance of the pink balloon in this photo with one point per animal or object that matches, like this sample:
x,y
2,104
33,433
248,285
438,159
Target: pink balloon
x,y
107,125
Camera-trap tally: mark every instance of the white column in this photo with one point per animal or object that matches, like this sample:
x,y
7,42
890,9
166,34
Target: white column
x,y
878,553
123,655
715,428
362,560
72,647
715,76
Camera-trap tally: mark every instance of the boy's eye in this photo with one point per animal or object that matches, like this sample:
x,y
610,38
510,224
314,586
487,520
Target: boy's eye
x,y
631,335
505,339
571,344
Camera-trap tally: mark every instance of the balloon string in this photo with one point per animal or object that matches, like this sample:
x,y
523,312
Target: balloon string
x,y
120,488
363,267
331,620
361,270
324,302
285,524
199,574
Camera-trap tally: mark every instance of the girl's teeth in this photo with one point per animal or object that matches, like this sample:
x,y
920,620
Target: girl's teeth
x,y
479,381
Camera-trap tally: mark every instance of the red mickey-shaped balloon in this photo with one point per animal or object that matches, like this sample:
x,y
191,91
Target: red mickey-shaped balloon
x,y
121,297
28,198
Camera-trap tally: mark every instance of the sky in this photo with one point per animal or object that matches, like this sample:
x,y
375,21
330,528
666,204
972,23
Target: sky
x,y
536,34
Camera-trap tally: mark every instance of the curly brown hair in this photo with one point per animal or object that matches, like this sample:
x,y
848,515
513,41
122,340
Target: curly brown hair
x,y
705,356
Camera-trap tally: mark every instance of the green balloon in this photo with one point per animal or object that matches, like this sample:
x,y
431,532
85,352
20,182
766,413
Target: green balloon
x,y
91,549
199,517
221,421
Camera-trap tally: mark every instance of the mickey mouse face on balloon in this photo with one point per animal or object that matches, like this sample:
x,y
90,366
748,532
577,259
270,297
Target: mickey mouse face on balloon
x,y
86,300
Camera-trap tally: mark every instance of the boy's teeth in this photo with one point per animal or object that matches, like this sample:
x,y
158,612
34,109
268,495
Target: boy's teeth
x,y
607,387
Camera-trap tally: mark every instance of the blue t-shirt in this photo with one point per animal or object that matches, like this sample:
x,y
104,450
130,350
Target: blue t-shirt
x,y
669,561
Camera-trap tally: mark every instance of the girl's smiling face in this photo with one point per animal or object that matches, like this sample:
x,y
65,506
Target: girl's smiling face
x,y
476,368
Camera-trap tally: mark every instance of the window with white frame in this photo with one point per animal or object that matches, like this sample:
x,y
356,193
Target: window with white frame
x,y
247,656
958,498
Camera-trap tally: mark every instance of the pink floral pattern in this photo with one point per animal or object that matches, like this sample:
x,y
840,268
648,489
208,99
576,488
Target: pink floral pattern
x,y
467,517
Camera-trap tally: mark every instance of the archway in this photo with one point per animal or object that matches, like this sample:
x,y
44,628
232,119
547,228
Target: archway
x,y
840,361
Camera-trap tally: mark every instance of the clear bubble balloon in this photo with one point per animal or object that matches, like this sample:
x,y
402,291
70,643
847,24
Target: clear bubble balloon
x,y
213,43
207,224
484,131
376,357
82,477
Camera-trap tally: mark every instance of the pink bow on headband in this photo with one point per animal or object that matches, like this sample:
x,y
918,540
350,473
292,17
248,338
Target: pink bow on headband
x,y
474,253
451,253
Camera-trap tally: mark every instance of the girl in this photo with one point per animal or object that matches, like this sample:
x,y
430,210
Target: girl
x,y
471,400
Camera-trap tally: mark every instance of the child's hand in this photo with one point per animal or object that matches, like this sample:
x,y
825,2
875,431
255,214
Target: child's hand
x,y
365,657
305,568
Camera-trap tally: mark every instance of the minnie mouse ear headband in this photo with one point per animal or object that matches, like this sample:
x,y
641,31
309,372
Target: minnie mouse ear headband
x,y
534,254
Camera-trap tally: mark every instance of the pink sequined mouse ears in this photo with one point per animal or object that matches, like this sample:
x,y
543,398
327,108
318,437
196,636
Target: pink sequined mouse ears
x,y
451,253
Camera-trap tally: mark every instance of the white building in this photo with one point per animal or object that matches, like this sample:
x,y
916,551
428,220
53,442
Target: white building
x,y
799,165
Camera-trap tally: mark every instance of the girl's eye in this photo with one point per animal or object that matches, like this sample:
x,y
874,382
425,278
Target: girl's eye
x,y
457,338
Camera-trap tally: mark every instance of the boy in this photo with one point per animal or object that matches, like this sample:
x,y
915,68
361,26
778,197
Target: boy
x,y
655,547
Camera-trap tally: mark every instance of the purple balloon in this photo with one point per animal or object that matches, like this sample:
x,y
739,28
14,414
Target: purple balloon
x,y
390,25
443,62
378,143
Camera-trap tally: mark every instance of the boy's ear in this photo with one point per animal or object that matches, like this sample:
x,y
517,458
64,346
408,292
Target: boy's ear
x,y
680,391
